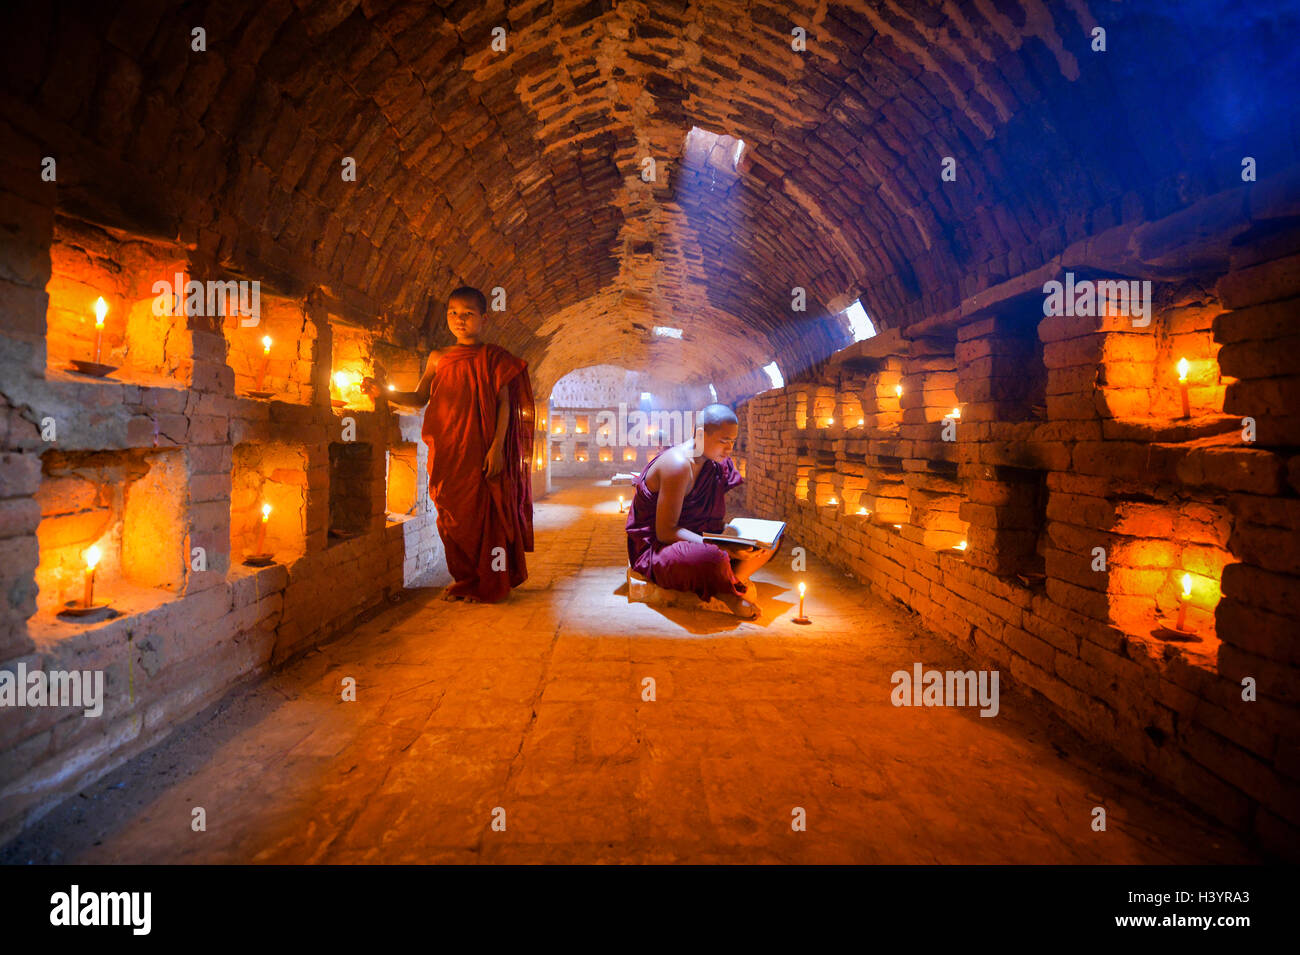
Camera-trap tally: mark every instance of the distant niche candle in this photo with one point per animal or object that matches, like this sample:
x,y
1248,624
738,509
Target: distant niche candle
x,y
101,309
266,359
261,528
92,558
1183,368
1185,596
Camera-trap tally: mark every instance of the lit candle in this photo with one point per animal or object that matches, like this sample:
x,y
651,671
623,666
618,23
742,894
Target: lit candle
x,y
960,546
863,511
101,309
266,358
898,390
261,528
92,558
861,422
1182,602
832,502
802,588
1183,367
956,412
620,503
392,387
829,422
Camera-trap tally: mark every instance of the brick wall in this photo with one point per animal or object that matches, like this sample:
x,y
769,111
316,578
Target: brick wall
x,y
153,467
1071,438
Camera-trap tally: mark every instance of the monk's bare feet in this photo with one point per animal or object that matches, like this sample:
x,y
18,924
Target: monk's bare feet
x,y
742,607
448,595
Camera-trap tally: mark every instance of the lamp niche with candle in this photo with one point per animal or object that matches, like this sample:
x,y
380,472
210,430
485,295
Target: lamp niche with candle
x,y
87,608
801,619
94,368
259,558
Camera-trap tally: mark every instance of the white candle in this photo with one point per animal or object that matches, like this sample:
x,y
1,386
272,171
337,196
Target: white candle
x,y
92,558
1183,367
266,358
1182,602
261,528
101,309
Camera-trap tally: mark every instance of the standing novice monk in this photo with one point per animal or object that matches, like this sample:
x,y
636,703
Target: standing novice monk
x,y
681,494
479,430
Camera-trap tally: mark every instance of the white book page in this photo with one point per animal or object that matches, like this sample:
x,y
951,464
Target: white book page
x,y
754,529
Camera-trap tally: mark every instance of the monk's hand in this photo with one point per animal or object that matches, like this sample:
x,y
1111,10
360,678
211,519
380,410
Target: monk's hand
x,y
495,461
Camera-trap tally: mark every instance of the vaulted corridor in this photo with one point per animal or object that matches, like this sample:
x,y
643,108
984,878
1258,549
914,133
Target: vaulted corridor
x,y
312,311
536,707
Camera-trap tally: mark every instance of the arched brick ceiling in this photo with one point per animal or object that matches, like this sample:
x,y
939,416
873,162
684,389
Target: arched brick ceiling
x,y
522,169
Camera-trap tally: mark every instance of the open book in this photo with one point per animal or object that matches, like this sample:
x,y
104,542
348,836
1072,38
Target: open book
x,y
749,532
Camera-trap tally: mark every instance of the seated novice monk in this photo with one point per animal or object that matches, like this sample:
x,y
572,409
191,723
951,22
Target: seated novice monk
x,y
479,430
680,495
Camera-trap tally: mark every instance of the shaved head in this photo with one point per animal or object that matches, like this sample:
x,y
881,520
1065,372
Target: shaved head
x,y
471,295
714,415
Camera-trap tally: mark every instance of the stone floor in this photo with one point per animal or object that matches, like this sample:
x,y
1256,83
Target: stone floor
x,y
535,706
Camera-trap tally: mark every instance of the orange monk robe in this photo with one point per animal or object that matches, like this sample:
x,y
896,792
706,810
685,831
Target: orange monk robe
x,y
477,515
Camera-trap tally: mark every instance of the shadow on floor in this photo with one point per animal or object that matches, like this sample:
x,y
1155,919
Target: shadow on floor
x,y
702,622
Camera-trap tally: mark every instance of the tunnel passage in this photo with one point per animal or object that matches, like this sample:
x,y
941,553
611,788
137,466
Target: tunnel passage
x,y
699,195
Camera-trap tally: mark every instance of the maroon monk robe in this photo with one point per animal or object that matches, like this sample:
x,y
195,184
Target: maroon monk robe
x,y
477,514
704,569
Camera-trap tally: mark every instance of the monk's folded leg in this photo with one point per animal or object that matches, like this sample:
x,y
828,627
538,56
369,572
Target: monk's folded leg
x,y
701,569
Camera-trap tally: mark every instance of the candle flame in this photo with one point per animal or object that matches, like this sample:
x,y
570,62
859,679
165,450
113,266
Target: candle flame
x,y
392,387
861,422
898,390
1187,586
863,510
802,588
832,502
829,422
93,553
266,512
266,344
101,309
956,412
1183,367
960,546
